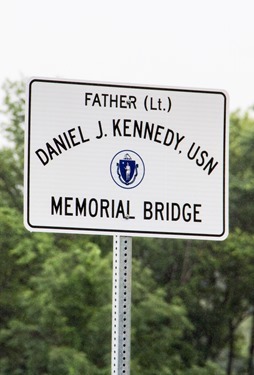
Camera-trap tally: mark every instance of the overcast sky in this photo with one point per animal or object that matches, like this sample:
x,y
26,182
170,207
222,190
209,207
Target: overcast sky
x,y
182,43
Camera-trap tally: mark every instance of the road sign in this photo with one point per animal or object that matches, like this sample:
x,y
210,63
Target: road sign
x,y
126,159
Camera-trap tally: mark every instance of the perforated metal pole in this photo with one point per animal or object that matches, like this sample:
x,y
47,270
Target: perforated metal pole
x,y
121,306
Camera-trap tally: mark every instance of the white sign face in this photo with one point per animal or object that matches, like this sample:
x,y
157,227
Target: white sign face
x,y
130,160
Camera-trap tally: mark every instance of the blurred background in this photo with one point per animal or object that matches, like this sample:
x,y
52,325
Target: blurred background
x,y
192,301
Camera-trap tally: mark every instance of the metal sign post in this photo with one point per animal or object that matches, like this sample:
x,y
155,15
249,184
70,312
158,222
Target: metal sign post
x,y
121,305
100,153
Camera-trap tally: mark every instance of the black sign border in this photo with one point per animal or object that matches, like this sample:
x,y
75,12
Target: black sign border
x,y
138,233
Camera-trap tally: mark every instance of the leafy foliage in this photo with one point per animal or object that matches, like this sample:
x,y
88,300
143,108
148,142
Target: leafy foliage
x,y
242,171
189,298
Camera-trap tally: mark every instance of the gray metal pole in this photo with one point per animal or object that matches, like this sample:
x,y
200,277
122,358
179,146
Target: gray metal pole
x,y
121,306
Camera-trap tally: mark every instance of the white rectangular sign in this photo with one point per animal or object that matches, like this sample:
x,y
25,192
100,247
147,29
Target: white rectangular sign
x,y
135,160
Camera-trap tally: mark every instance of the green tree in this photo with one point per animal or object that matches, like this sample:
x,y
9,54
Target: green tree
x,y
12,155
14,113
242,171
189,297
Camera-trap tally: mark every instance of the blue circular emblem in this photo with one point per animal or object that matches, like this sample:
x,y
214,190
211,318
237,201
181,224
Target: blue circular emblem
x,y
127,169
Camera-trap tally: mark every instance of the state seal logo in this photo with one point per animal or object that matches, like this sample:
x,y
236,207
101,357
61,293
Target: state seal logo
x,y
127,169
